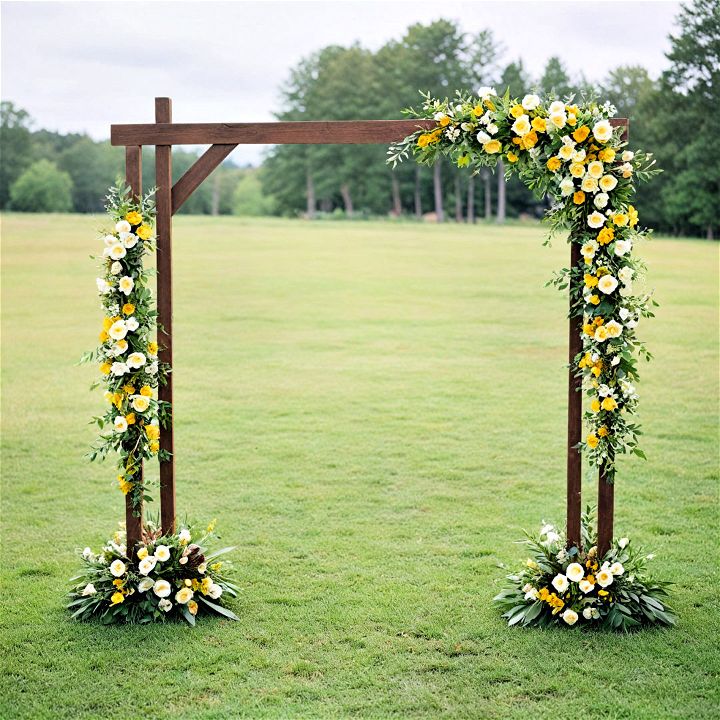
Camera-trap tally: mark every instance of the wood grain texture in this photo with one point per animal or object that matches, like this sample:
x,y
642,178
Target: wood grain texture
x,y
606,512
194,176
133,517
163,200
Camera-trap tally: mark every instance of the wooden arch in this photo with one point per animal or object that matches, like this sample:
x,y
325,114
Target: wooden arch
x,y
223,139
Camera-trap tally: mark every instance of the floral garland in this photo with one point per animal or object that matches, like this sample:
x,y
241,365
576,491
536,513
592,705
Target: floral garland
x,y
558,586
571,153
170,577
128,353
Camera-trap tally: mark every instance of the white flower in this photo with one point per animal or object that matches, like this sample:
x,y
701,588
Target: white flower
x,y
215,591
626,275
586,586
626,169
617,569
165,605
123,226
89,589
614,328
651,556
118,368
136,360
126,284
117,251
615,361
551,538
604,577
118,330
530,102
531,594
130,240
162,588
570,616
566,152
147,565
558,119
184,536
87,553
140,403
132,324
116,268
589,249
608,182
558,106
117,568
596,219
627,156
589,184
183,595
183,560
485,92
521,126
575,572
483,137
492,128
120,424
607,284
595,169
560,583
118,348
578,156
202,568
145,584
103,286
601,200
466,126
602,131
545,529
162,553
623,543
587,613
567,186
109,240
152,368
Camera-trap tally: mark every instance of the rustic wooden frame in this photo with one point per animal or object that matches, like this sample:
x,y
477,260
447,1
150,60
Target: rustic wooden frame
x,y
223,139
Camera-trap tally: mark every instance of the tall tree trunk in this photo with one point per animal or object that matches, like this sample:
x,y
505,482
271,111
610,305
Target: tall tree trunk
x,y
437,186
418,197
347,199
458,198
501,193
488,199
215,199
310,195
397,204
471,200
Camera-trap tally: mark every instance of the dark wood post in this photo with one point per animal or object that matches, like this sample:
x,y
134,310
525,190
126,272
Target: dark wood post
x,y
606,511
163,199
574,416
133,515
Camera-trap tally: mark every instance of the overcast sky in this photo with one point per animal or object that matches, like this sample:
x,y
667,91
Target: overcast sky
x,y
80,66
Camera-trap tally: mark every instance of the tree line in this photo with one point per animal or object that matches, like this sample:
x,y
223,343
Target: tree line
x,y
673,116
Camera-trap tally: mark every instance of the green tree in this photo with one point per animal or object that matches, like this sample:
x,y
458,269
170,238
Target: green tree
x,y
556,79
249,198
43,187
15,147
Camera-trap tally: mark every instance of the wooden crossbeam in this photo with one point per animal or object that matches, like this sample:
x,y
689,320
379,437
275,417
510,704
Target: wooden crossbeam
x,y
202,167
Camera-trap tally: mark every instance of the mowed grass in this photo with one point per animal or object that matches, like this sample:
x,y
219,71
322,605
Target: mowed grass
x,y
373,412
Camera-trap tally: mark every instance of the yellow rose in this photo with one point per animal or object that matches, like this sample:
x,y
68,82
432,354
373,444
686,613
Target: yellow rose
x,y
134,218
512,157
105,368
152,431
192,607
478,110
577,170
590,280
142,553
128,309
553,164
605,235
146,390
144,232
607,155
539,124
594,300
152,348
103,336
609,404
444,121
580,135
117,598
620,219
632,216
530,140
579,197
595,406
602,431
423,140
517,110
601,334
492,146
566,152
107,323
592,440
129,389
154,446
130,418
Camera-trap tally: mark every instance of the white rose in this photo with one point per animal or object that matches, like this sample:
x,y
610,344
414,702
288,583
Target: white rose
x,y
485,92
118,348
575,572
587,613
560,583
130,240
162,588
589,184
103,286
117,568
202,568
596,219
601,200
126,284
589,249
567,186
602,131
483,137
531,594
215,591
604,577
595,169
530,102
89,589
165,605
622,247
162,553
627,156
87,553
608,182
578,156
147,565
117,251
136,360
586,586
556,107
570,617
626,275
140,403
617,569
546,528
118,330
116,268
183,595
623,542
551,538
492,128
145,584
522,126
614,328
118,369
152,368
183,560
123,226
120,424
132,324
109,240
607,284
566,152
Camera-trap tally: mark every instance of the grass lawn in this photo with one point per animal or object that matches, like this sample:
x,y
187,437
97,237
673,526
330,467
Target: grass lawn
x,y
373,412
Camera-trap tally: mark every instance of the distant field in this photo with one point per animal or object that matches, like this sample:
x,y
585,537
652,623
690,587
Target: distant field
x,y
373,412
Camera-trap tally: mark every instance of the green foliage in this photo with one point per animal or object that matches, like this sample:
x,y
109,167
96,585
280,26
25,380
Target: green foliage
x,y
42,188
15,147
248,197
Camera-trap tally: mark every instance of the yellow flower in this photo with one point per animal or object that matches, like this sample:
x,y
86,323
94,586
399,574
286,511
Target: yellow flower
x,y
602,431
517,110
577,170
130,418
152,431
595,406
117,400
601,333
553,164
620,219
134,218
571,119
107,323
594,300
117,597
154,446
632,216
607,155
592,440
444,121
146,390
609,404
478,110
142,553
124,485
492,146
424,140
128,309
539,124
590,280
580,135
144,232
205,585
463,161
216,566
512,157
152,348
605,235
589,329
579,197
103,336
530,140
192,607
489,104
129,389
105,368
118,582
596,371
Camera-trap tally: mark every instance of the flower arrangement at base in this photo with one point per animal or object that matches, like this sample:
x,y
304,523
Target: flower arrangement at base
x,y
566,587
172,576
